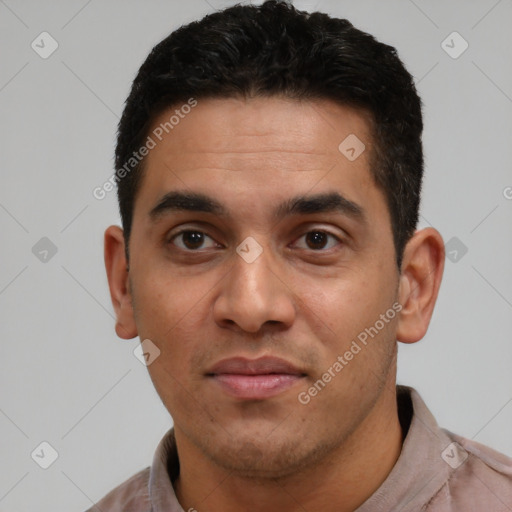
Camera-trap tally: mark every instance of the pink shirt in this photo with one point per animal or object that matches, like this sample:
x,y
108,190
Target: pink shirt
x,y
437,471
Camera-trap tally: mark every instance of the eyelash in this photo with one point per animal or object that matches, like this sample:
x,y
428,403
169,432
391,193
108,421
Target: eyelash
x,y
176,235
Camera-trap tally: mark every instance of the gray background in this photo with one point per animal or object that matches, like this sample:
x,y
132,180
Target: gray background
x,y
65,376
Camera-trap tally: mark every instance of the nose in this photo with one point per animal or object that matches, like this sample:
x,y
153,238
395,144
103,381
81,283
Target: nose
x,y
255,293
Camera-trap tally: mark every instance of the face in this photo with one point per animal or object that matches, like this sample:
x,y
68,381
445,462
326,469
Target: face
x,y
254,296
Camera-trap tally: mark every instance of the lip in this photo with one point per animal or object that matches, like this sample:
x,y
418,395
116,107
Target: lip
x,y
255,379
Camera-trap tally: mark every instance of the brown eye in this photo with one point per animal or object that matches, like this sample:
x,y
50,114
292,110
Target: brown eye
x,y
318,239
190,239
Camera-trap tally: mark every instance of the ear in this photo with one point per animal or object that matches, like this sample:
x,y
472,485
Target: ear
x,y
420,279
118,282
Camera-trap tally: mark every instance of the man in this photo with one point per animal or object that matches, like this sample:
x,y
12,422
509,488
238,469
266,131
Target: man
x,y
269,167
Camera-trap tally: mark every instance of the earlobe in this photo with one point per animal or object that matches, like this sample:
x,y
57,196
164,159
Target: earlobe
x,y
420,279
117,275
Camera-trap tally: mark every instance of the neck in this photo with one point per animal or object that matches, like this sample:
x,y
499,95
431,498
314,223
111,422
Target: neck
x,y
341,482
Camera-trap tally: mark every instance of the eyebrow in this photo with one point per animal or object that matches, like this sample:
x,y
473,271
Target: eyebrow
x,y
328,202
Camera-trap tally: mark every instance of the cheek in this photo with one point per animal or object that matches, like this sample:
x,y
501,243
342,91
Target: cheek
x,y
174,372
163,300
347,313
342,305
171,313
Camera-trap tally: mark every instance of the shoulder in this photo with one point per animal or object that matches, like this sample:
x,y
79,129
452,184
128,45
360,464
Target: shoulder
x,y
480,477
130,496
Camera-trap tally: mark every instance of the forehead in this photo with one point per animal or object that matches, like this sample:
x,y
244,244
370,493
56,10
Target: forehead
x,y
310,129
259,151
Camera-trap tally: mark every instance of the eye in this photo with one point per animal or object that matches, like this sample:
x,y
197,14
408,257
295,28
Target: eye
x,y
317,239
191,239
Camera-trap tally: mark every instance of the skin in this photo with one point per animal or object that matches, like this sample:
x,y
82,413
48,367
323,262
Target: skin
x,y
302,302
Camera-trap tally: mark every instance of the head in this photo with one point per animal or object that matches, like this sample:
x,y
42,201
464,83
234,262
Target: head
x,y
264,126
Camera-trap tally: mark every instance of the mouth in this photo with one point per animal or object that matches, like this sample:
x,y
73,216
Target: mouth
x,y
255,379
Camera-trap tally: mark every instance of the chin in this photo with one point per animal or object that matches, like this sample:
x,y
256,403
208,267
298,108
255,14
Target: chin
x,y
247,457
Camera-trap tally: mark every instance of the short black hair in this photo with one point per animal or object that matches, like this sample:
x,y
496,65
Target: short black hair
x,y
276,50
